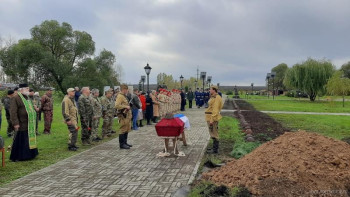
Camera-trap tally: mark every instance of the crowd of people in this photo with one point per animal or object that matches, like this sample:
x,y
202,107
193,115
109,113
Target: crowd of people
x,y
24,107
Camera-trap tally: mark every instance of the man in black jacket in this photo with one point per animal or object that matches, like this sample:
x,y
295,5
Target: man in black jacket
x,y
190,97
183,100
6,102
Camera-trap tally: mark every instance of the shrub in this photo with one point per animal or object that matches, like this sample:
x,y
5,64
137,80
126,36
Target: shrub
x,y
229,92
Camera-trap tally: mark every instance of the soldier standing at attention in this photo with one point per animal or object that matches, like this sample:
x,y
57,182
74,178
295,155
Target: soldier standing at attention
x,y
124,116
197,95
6,102
70,115
97,113
47,108
107,113
212,116
86,113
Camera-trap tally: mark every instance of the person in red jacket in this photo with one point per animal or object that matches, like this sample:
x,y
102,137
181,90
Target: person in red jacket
x,y
143,102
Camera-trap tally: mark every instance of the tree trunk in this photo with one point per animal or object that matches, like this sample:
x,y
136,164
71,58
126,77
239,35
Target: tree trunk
x,y
343,100
312,96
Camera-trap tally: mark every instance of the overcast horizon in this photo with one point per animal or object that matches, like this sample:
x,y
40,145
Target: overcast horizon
x,y
235,42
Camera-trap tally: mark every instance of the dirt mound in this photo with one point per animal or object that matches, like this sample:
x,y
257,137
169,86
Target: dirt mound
x,y
294,164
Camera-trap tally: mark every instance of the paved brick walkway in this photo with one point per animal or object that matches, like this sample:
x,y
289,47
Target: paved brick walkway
x,y
105,170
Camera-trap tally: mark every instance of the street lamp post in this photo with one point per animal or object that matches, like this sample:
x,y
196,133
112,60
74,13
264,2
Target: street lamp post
x,y
140,83
273,74
195,84
252,84
203,75
181,80
148,71
143,79
209,80
268,76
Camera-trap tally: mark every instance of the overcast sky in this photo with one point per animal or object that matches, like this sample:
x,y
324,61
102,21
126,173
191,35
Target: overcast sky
x,y
236,42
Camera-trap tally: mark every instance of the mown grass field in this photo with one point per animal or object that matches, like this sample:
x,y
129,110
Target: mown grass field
x,y
301,106
52,148
334,126
337,127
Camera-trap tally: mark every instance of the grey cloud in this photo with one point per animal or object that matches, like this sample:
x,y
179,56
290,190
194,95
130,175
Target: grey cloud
x,y
237,42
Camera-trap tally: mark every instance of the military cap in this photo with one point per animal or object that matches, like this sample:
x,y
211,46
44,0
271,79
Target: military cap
x,y
70,90
214,87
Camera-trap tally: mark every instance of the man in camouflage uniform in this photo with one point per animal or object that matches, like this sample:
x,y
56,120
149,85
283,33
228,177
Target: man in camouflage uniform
x,y
37,106
86,113
97,113
70,115
124,116
6,101
47,108
108,112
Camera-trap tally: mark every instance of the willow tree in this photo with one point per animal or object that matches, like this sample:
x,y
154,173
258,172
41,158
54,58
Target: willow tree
x,y
339,85
310,76
346,69
280,70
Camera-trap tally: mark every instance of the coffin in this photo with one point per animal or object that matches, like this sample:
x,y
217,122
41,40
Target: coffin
x,y
170,127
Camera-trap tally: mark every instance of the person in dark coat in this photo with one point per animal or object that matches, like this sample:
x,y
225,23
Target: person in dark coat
x,y
23,118
6,101
149,108
197,95
190,97
183,100
77,95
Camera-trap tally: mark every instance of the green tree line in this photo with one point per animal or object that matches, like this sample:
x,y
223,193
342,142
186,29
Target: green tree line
x,y
58,56
313,77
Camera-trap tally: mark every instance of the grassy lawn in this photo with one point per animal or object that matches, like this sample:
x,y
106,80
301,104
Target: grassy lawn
x,y
301,106
52,148
332,126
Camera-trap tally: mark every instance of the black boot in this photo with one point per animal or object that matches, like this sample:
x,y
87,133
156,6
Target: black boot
x,y
122,144
155,120
140,124
215,149
126,139
216,146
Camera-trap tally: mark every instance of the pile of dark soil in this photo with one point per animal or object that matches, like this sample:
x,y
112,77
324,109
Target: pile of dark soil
x,y
294,164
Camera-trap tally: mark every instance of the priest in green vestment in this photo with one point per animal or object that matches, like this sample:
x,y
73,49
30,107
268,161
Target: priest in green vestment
x,y
23,118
